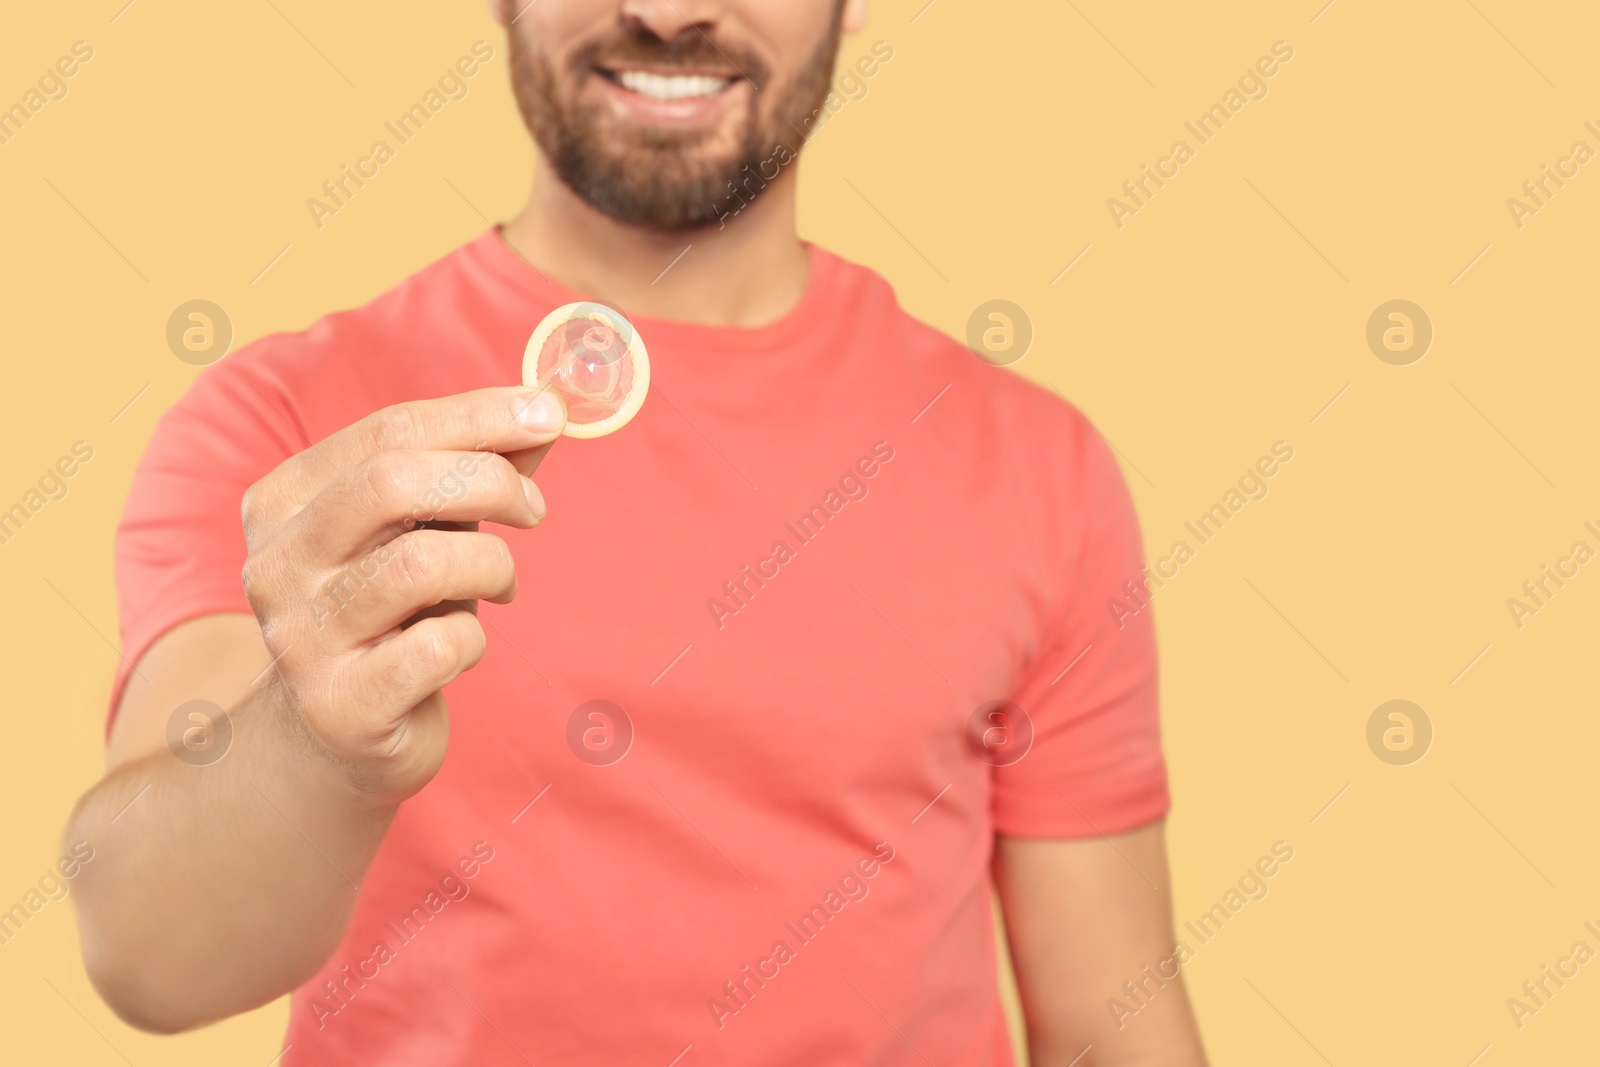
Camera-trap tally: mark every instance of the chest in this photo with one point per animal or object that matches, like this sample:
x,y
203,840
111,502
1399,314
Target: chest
x,y
746,599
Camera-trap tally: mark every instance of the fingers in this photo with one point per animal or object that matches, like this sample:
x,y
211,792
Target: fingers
x,y
527,460
413,573
406,669
507,419
394,490
363,554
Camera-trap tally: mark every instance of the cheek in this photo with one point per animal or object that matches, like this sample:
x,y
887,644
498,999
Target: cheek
x,y
788,35
538,61
553,31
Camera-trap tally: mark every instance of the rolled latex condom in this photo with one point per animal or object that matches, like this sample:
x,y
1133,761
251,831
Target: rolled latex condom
x,y
591,356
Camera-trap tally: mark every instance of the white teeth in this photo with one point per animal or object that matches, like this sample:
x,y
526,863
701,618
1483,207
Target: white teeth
x,y
673,87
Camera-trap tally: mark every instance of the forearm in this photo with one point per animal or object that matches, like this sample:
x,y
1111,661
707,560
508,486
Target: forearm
x,y
1150,1025
1163,1035
218,888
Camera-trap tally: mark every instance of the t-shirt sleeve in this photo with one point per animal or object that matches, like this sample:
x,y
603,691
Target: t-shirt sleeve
x,y
180,545
1090,688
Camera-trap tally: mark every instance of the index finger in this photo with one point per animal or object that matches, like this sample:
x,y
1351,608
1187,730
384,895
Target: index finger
x,y
507,419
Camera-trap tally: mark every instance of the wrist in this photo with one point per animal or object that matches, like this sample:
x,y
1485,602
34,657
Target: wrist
x,y
325,779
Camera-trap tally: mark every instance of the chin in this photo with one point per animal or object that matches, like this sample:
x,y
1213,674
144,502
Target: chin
x,y
662,180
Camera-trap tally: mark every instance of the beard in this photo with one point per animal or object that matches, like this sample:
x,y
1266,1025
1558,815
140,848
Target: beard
x,y
662,178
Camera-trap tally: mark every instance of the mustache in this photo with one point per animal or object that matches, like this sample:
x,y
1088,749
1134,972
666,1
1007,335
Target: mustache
x,y
690,50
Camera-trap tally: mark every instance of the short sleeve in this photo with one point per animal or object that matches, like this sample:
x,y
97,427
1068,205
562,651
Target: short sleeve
x,y
1090,688
180,545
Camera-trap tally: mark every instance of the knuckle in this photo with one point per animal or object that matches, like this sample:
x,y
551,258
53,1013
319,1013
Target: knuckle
x,y
387,478
256,576
277,608
473,639
398,426
439,652
272,635
250,506
347,587
449,648
504,561
254,513
503,479
422,558
250,576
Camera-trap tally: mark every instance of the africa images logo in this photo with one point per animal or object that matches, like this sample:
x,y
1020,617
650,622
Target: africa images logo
x,y
852,486
738,992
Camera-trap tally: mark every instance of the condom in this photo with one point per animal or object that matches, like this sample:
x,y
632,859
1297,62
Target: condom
x,y
592,358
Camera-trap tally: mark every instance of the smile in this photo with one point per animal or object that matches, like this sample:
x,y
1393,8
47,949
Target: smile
x,y
658,86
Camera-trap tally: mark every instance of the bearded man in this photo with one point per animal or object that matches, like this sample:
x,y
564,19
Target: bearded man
x,y
801,665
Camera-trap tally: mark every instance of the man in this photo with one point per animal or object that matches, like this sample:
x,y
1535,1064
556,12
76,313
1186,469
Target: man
x,y
730,763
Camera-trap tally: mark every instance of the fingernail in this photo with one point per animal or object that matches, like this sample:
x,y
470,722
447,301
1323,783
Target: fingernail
x,y
535,498
542,412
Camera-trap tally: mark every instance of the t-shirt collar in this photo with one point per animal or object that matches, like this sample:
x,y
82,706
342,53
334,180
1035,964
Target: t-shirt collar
x,y
495,252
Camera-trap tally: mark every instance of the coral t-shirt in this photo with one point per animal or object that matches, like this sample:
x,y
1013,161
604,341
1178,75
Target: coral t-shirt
x,y
724,788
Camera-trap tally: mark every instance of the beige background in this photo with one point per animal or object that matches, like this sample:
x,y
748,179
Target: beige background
x,y
1224,316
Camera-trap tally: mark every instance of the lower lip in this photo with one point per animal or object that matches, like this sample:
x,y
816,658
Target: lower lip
x,y
686,111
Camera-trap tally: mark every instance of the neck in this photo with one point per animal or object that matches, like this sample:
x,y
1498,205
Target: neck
x,y
748,270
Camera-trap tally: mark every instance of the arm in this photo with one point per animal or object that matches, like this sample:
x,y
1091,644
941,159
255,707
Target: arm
x,y
199,869
218,888
1082,918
